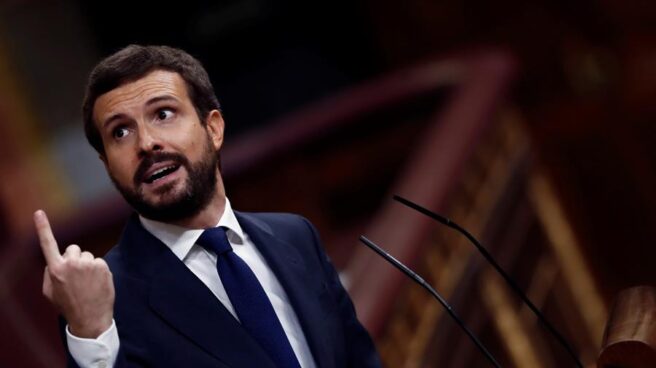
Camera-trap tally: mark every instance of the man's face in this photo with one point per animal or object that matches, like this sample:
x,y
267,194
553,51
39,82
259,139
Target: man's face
x,y
157,152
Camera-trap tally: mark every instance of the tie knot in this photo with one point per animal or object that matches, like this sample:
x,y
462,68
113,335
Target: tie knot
x,y
215,239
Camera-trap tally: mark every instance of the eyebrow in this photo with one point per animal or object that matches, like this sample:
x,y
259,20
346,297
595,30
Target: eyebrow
x,y
112,119
150,102
157,99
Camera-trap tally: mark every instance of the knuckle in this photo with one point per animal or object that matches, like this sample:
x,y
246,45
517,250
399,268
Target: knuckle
x,y
72,247
102,265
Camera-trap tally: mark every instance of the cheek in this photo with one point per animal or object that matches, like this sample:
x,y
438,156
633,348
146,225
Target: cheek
x,y
190,144
120,169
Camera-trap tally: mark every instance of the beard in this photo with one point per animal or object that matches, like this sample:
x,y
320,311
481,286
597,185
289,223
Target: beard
x,y
198,189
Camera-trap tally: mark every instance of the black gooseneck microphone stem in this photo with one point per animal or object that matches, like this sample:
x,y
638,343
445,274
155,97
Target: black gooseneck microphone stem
x,y
430,289
513,285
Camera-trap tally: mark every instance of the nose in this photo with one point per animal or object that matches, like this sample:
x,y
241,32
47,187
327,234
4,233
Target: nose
x,y
148,141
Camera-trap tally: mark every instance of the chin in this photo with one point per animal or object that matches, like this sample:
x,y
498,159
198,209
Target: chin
x,y
167,196
169,190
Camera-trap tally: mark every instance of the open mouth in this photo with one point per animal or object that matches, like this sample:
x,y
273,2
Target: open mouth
x,y
161,173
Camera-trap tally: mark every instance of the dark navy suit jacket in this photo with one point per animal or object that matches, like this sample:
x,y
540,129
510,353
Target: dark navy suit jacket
x,y
166,317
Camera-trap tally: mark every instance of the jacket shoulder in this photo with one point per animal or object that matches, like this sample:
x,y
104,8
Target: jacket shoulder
x,y
275,222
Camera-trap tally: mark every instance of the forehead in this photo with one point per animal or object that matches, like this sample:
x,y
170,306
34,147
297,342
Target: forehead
x,y
133,95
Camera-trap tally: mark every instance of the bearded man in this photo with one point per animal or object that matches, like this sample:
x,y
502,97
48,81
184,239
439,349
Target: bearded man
x,y
191,283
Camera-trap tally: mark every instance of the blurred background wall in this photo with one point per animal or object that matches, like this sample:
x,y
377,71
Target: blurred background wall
x,y
531,123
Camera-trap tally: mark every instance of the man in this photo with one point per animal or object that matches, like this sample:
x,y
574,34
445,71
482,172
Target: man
x,y
192,283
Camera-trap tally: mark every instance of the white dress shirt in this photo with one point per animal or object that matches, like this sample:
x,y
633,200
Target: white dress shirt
x,y
102,352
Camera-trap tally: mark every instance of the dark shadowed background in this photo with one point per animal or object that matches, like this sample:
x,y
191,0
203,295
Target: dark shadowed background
x,y
532,123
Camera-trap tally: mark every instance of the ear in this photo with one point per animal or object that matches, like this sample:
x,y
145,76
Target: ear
x,y
214,125
103,159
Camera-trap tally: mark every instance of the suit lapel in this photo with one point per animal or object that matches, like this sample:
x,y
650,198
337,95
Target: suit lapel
x,y
187,305
301,287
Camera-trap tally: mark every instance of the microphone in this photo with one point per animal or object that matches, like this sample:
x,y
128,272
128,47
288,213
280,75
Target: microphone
x,y
513,285
396,263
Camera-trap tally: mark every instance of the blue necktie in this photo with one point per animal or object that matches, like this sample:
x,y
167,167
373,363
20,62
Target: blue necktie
x,y
249,299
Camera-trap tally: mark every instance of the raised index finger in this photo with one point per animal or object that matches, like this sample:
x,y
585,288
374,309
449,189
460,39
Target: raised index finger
x,y
46,238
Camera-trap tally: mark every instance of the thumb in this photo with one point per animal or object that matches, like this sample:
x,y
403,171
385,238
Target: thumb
x,y
47,284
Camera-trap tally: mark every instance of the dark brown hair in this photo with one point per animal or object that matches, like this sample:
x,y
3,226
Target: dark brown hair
x,y
134,62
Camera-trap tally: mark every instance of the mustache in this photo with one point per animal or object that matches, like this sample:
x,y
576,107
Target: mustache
x,y
153,158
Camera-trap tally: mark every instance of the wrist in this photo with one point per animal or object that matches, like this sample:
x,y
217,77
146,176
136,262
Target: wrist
x,y
89,330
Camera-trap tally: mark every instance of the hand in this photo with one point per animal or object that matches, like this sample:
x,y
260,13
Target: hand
x,y
77,283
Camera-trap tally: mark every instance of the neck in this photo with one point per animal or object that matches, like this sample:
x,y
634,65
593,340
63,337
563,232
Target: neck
x,y
210,215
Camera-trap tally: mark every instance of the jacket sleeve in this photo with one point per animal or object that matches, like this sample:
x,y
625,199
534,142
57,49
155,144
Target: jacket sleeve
x,y
361,351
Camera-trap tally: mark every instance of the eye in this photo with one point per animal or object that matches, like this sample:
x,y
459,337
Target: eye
x,y
120,132
163,114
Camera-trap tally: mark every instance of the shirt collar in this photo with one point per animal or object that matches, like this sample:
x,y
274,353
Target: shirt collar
x,y
180,239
